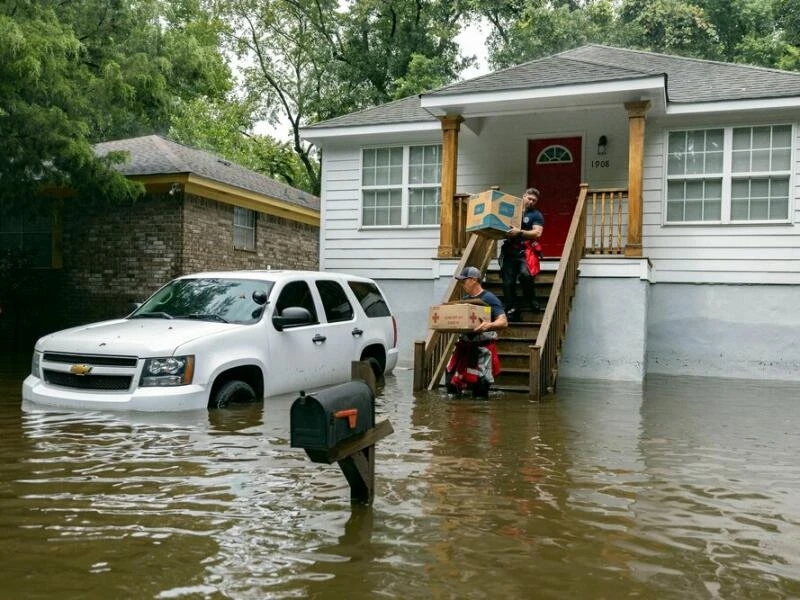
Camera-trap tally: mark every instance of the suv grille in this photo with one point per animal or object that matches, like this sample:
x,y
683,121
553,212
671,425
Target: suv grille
x,y
90,359
88,382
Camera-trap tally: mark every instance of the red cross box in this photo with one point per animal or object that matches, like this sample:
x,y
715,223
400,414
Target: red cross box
x,y
457,317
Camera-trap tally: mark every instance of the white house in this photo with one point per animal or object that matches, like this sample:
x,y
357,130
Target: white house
x,y
692,258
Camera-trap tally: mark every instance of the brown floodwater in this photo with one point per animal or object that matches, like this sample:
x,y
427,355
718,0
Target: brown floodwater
x,y
680,488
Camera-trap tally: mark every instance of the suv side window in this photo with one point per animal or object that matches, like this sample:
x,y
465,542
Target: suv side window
x,y
297,293
334,299
370,298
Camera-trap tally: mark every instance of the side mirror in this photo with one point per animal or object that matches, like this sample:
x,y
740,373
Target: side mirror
x,y
292,316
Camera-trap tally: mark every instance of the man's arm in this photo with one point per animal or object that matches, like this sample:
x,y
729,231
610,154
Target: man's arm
x,y
501,322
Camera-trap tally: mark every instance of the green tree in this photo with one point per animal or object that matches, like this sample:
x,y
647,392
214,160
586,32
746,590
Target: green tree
x,y
225,128
73,73
311,60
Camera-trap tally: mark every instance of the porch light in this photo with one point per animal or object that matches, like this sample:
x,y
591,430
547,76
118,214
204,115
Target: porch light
x,y
602,143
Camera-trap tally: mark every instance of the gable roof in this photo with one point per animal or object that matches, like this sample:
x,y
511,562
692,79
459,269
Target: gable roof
x,y
688,80
156,155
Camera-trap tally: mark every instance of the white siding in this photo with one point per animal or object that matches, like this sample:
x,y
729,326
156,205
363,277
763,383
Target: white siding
x,y
735,253
495,156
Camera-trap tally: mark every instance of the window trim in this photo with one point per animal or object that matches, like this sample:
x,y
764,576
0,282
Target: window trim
x,y
404,186
728,176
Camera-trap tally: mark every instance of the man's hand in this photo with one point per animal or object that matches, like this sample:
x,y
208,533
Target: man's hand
x,y
513,232
483,326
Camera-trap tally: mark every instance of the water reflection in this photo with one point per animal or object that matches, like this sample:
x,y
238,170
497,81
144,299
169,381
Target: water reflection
x,y
678,488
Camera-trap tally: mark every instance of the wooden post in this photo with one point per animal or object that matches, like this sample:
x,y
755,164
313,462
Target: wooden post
x,y
450,127
361,369
419,366
535,372
637,112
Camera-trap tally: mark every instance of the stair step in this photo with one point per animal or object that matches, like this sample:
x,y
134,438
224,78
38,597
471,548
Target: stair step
x,y
512,376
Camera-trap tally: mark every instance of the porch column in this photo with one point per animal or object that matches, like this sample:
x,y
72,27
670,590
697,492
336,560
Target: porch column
x,y
450,127
637,112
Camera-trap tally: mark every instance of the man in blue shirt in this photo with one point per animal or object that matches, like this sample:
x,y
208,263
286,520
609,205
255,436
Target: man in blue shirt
x,y
520,256
475,362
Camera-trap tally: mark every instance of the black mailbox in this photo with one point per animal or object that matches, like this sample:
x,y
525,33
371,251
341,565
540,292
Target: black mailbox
x,y
324,419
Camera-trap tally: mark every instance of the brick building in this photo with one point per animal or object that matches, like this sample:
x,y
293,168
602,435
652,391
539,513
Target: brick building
x,y
93,259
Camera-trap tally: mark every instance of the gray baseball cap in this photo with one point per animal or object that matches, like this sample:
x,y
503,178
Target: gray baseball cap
x,y
470,273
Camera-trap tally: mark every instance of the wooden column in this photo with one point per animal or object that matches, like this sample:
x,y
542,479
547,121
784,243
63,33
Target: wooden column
x,y
450,127
637,111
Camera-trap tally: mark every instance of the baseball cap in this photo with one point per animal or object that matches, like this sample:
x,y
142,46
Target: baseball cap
x,y
470,273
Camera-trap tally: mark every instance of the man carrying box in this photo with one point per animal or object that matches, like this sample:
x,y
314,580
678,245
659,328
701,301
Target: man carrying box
x,y
474,362
520,257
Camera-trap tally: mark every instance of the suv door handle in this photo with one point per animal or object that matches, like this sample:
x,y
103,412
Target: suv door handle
x,y
357,332
318,339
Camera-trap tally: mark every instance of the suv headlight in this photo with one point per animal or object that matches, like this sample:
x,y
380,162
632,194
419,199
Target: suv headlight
x,y
172,370
36,361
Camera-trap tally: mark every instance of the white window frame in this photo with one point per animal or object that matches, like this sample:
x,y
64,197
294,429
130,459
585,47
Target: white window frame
x,y
246,229
405,187
727,176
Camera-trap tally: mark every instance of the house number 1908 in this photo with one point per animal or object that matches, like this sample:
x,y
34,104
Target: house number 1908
x,y
600,164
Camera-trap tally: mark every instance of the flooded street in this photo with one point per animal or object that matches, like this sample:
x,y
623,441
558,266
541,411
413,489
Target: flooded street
x,y
678,489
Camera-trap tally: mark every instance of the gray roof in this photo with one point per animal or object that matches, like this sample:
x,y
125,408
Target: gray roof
x,y
155,155
689,80
406,110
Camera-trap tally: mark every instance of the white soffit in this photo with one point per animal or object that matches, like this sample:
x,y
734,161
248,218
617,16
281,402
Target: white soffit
x,y
563,97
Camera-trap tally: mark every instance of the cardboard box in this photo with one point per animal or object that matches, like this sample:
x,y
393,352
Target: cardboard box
x,y
491,213
457,317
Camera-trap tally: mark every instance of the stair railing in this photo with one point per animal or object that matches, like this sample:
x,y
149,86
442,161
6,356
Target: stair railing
x,y
545,353
431,356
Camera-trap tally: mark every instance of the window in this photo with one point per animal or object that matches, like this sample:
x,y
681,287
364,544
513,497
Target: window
x,y
400,186
554,154
296,293
370,298
244,228
729,174
334,300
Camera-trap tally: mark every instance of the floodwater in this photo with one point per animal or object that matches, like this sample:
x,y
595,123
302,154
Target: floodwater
x,y
675,489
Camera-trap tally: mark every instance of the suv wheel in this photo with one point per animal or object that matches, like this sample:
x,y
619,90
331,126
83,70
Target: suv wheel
x,y
232,392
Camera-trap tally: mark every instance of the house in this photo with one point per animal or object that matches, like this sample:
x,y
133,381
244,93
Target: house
x,y
200,212
686,172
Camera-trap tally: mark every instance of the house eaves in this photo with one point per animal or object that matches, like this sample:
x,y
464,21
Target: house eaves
x,y
159,162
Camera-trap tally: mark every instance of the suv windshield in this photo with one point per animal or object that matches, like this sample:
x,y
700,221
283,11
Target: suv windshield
x,y
220,300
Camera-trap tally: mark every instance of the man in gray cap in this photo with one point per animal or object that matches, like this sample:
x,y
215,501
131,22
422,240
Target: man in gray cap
x,y
474,362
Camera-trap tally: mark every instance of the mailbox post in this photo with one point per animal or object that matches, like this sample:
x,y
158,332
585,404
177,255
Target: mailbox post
x,y
337,424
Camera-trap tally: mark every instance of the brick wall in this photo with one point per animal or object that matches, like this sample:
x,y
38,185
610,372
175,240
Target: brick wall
x,y
208,240
114,255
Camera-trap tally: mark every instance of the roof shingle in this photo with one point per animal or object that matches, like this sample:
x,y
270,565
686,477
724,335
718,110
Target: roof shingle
x,y
155,155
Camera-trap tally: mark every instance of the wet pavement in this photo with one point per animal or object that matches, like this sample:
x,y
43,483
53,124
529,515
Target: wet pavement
x,y
680,488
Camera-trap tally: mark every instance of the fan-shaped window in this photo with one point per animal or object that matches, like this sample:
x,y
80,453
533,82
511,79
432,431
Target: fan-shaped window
x,y
554,154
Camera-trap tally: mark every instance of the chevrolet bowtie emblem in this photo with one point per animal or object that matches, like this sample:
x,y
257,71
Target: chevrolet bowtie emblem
x,y
80,369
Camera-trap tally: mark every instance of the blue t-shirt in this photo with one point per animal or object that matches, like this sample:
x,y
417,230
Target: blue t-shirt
x,y
493,302
529,219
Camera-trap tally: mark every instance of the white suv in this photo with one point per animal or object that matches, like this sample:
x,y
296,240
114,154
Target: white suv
x,y
209,339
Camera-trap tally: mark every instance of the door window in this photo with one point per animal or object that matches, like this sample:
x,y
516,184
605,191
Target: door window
x,y
297,293
334,300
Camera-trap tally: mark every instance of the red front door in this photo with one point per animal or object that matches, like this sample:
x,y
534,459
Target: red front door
x,y
554,168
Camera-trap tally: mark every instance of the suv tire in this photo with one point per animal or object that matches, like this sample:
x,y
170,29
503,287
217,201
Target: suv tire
x,y
232,392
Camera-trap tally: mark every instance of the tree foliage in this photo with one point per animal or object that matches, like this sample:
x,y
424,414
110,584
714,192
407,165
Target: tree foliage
x,y
759,32
311,60
226,128
73,73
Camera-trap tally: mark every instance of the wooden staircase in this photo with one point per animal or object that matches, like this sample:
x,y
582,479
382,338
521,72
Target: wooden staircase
x,y
515,341
530,351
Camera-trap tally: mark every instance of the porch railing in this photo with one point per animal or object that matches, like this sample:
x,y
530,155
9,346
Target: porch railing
x,y
546,352
607,221
431,356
